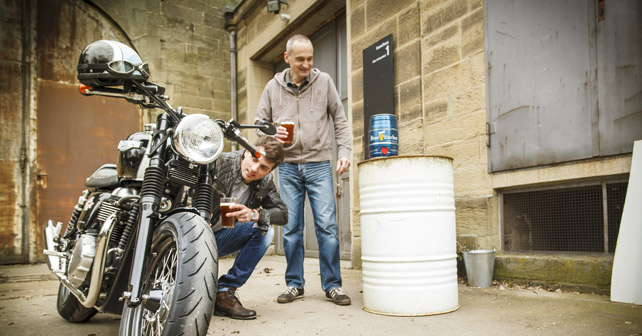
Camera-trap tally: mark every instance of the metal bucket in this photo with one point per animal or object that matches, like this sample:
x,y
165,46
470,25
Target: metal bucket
x,y
408,241
479,267
383,138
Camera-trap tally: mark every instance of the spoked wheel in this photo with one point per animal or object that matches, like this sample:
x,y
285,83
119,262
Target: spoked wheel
x,y
180,286
163,279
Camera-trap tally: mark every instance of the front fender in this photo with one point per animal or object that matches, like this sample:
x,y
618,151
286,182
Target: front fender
x,y
178,210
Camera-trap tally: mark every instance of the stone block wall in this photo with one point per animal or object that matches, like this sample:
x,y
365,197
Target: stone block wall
x,y
455,110
439,88
186,46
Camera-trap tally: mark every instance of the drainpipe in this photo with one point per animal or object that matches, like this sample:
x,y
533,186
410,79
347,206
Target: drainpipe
x,y
25,164
233,94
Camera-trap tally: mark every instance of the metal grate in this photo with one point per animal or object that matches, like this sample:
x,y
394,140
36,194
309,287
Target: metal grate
x,y
616,194
565,219
183,173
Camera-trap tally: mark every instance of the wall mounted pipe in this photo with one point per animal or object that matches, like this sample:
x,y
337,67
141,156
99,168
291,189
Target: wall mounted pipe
x,y
233,94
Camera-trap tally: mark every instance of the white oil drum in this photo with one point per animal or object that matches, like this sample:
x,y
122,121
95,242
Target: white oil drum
x,y
408,239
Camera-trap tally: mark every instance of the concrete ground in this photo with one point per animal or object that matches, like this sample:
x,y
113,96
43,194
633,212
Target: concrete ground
x,y
28,307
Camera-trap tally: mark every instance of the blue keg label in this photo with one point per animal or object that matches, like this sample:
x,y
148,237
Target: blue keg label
x,y
383,142
384,136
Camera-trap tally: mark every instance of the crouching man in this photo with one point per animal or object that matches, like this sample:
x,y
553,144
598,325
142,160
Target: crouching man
x,y
258,207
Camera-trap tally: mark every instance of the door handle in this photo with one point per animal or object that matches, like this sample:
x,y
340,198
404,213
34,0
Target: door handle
x,y
41,179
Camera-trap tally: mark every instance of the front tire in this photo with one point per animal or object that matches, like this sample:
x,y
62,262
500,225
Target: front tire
x,y
70,308
182,272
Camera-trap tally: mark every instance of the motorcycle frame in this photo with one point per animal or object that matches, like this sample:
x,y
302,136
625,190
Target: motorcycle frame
x,y
134,264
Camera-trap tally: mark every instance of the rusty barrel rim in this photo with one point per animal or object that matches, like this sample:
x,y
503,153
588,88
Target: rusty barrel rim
x,y
408,156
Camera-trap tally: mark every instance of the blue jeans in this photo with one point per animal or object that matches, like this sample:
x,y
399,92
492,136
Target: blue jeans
x,y
251,244
315,179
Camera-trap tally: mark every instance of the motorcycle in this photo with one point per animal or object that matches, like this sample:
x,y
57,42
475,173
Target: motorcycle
x,y
138,242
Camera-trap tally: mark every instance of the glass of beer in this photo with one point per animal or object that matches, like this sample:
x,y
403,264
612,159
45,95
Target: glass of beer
x,y
289,126
227,222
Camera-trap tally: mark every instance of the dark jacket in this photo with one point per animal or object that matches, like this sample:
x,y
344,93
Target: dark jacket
x,y
263,193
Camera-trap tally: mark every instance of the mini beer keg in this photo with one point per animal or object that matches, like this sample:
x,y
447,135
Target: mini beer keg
x,y
383,139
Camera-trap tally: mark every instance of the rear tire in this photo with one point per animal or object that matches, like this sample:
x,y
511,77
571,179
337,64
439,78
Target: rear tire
x,y
183,266
70,308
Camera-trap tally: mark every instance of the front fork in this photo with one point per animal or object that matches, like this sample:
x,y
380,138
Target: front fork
x,y
151,194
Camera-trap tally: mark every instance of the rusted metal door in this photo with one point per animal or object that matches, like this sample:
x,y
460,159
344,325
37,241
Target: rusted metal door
x,y
76,135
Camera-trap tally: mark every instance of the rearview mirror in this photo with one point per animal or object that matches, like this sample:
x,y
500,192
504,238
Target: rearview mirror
x,y
266,127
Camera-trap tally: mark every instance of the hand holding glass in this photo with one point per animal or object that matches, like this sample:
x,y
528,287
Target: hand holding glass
x,y
226,202
289,126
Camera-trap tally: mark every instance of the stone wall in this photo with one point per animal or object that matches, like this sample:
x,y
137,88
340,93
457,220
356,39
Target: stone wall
x,y
187,47
439,88
440,103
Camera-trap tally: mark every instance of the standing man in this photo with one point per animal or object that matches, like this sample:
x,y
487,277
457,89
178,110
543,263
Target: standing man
x,y
241,175
308,97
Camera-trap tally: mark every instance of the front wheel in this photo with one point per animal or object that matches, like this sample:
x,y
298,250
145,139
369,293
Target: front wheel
x,y
181,281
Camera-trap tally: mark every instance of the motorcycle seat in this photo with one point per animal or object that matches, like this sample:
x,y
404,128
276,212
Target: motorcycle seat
x,y
104,177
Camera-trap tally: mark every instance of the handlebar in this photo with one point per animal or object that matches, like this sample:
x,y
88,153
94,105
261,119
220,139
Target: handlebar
x,y
232,131
150,95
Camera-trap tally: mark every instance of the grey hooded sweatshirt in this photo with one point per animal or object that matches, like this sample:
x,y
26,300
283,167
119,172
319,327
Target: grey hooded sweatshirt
x,y
313,109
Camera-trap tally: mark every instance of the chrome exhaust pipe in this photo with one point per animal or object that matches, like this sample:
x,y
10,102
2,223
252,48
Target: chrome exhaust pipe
x,y
54,259
99,263
51,231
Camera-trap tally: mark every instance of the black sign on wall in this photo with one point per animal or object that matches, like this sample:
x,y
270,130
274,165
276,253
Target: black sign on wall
x,y
378,80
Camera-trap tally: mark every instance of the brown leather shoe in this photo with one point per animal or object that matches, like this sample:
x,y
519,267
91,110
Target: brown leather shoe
x,y
227,304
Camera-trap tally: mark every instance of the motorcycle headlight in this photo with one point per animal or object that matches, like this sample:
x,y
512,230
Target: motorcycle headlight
x,y
198,138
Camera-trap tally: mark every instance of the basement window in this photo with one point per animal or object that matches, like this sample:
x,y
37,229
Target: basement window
x,y
582,218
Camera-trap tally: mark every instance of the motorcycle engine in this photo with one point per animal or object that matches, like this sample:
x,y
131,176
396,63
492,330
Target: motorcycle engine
x,y
81,259
92,220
